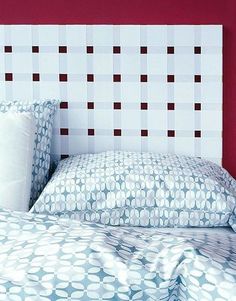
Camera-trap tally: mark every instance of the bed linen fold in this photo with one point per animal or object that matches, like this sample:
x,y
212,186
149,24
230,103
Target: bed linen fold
x,y
49,258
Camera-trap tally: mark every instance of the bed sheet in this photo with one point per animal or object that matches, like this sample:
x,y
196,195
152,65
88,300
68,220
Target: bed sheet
x,y
47,258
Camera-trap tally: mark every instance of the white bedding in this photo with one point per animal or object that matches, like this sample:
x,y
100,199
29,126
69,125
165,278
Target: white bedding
x,y
17,134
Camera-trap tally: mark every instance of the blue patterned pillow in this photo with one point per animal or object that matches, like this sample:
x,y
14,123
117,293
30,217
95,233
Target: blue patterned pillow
x,y
140,189
43,113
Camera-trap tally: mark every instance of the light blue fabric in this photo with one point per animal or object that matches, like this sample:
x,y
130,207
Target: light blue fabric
x,y
140,189
232,220
46,258
43,113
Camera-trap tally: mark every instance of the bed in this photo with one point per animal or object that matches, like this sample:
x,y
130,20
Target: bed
x,y
138,222
62,256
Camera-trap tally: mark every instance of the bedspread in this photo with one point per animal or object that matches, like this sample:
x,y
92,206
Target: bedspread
x,y
48,258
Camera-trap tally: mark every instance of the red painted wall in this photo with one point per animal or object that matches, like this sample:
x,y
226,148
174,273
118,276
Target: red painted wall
x,y
145,12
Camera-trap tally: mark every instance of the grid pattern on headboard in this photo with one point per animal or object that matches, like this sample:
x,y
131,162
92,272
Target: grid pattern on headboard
x,y
143,88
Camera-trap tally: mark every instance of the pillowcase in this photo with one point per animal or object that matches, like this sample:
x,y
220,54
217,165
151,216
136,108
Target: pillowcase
x,y
140,189
17,135
43,113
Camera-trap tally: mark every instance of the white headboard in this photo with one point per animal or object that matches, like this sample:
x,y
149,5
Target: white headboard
x,y
144,88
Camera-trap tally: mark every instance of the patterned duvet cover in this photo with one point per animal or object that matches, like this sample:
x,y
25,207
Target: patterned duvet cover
x,y
48,258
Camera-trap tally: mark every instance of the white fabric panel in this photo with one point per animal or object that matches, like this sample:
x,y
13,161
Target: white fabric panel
x,y
17,133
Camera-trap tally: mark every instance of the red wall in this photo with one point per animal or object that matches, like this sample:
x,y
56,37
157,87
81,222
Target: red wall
x,y
145,12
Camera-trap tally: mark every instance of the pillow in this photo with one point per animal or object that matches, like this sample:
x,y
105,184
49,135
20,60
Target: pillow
x,y
17,134
140,189
43,113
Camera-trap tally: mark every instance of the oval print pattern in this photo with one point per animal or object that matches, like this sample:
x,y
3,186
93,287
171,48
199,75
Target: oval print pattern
x,y
46,258
140,189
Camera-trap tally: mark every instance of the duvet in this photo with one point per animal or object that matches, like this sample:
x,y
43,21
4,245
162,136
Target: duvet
x,y
47,258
